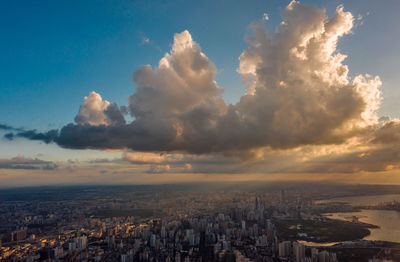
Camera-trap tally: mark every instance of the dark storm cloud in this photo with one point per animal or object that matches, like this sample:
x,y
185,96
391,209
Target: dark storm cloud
x,y
10,128
6,127
47,137
388,133
371,160
9,136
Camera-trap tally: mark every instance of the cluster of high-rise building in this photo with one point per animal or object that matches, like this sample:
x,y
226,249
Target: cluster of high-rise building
x,y
147,226
294,251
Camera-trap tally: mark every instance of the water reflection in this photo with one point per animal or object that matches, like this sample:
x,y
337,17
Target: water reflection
x,y
315,244
387,220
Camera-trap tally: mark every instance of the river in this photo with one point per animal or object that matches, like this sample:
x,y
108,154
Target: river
x,y
388,221
363,200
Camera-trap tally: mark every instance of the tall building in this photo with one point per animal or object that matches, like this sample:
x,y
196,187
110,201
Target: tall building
x,y
82,242
163,232
314,255
299,251
19,235
153,240
283,196
323,256
284,249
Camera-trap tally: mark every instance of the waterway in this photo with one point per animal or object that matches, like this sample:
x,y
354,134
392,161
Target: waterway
x,y
364,200
388,221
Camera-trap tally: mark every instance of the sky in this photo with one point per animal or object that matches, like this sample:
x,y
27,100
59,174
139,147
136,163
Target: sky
x,y
171,91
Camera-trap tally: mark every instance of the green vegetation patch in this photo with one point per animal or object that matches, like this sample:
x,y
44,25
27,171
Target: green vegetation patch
x,y
321,231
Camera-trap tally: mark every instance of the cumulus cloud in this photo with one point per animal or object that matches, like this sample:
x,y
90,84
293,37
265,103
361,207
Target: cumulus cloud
x,y
159,169
188,167
140,157
95,111
298,93
298,89
21,162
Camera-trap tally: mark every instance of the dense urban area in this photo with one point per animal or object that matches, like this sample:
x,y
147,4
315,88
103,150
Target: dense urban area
x,y
187,222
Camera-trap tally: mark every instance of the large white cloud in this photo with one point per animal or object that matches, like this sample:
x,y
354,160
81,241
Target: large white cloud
x,y
298,89
298,93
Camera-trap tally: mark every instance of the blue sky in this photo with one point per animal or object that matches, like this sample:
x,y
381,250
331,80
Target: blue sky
x,y
55,52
